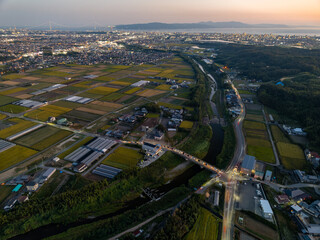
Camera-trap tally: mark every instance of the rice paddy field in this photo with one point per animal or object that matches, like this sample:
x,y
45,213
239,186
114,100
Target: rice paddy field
x,y
14,155
186,124
123,158
108,87
42,138
258,143
18,126
291,155
206,227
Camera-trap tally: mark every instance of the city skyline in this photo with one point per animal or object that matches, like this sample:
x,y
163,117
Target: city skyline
x,y
78,13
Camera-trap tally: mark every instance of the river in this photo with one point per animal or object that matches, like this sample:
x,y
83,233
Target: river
x,y
53,229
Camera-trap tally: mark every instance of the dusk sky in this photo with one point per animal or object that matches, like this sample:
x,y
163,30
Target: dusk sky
x,y
106,12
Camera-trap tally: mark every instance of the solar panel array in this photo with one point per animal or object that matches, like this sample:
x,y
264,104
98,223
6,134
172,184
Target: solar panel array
x,y
106,171
4,145
78,99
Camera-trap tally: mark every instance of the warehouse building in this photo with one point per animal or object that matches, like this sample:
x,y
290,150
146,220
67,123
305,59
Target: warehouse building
x,y
150,149
106,171
266,209
248,165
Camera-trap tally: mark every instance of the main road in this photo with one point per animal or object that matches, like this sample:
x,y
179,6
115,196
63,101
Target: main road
x,y
231,184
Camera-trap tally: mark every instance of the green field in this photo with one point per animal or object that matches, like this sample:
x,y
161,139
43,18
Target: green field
x,y
105,78
18,127
42,137
186,124
123,158
11,108
254,125
60,135
292,156
206,227
14,155
102,90
255,117
12,76
170,105
56,74
261,153
2,116
6,100
153,115
112,97
36,136
133,90
258,142
278,135
244,92
164,87
5,191
44,113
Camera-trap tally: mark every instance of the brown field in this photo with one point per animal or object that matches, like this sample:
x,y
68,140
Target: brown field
x,y
90,110
107,104
11,83
24,96
150,93
31,78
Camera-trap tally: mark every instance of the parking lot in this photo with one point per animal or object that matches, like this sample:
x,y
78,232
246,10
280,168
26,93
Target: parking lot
x,y
249,197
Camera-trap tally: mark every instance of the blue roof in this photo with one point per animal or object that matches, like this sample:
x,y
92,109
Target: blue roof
x,y
249,162
17,188
280,83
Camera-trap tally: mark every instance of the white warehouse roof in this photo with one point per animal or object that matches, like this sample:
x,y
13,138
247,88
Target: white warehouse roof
x,y
266,206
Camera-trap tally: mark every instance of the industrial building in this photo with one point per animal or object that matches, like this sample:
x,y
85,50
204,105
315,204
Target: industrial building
x,y
150,149
48,89
87,154
248,165
48,173
266,209
106,171
77,99
140,83
28,103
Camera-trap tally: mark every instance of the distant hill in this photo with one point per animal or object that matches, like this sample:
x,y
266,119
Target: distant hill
x,y
200,25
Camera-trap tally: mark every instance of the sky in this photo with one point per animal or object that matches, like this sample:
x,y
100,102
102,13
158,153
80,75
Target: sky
x,y
107,12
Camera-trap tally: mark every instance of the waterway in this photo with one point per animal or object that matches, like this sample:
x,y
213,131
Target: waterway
x,y
54,229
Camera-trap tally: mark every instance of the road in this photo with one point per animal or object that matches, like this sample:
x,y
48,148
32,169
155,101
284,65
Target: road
x,y
231,185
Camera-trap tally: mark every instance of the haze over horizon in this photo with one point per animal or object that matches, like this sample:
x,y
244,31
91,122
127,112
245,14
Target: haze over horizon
x,y
79,12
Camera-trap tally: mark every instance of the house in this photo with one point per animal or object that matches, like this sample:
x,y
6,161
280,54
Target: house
x,y
32,186
259,170
10,204
248,165
282,199
216,198
62,121
158,135
22,199
268,176
296,194
296,209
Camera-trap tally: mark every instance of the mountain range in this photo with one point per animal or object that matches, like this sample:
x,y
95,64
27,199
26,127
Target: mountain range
x,y
200,25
